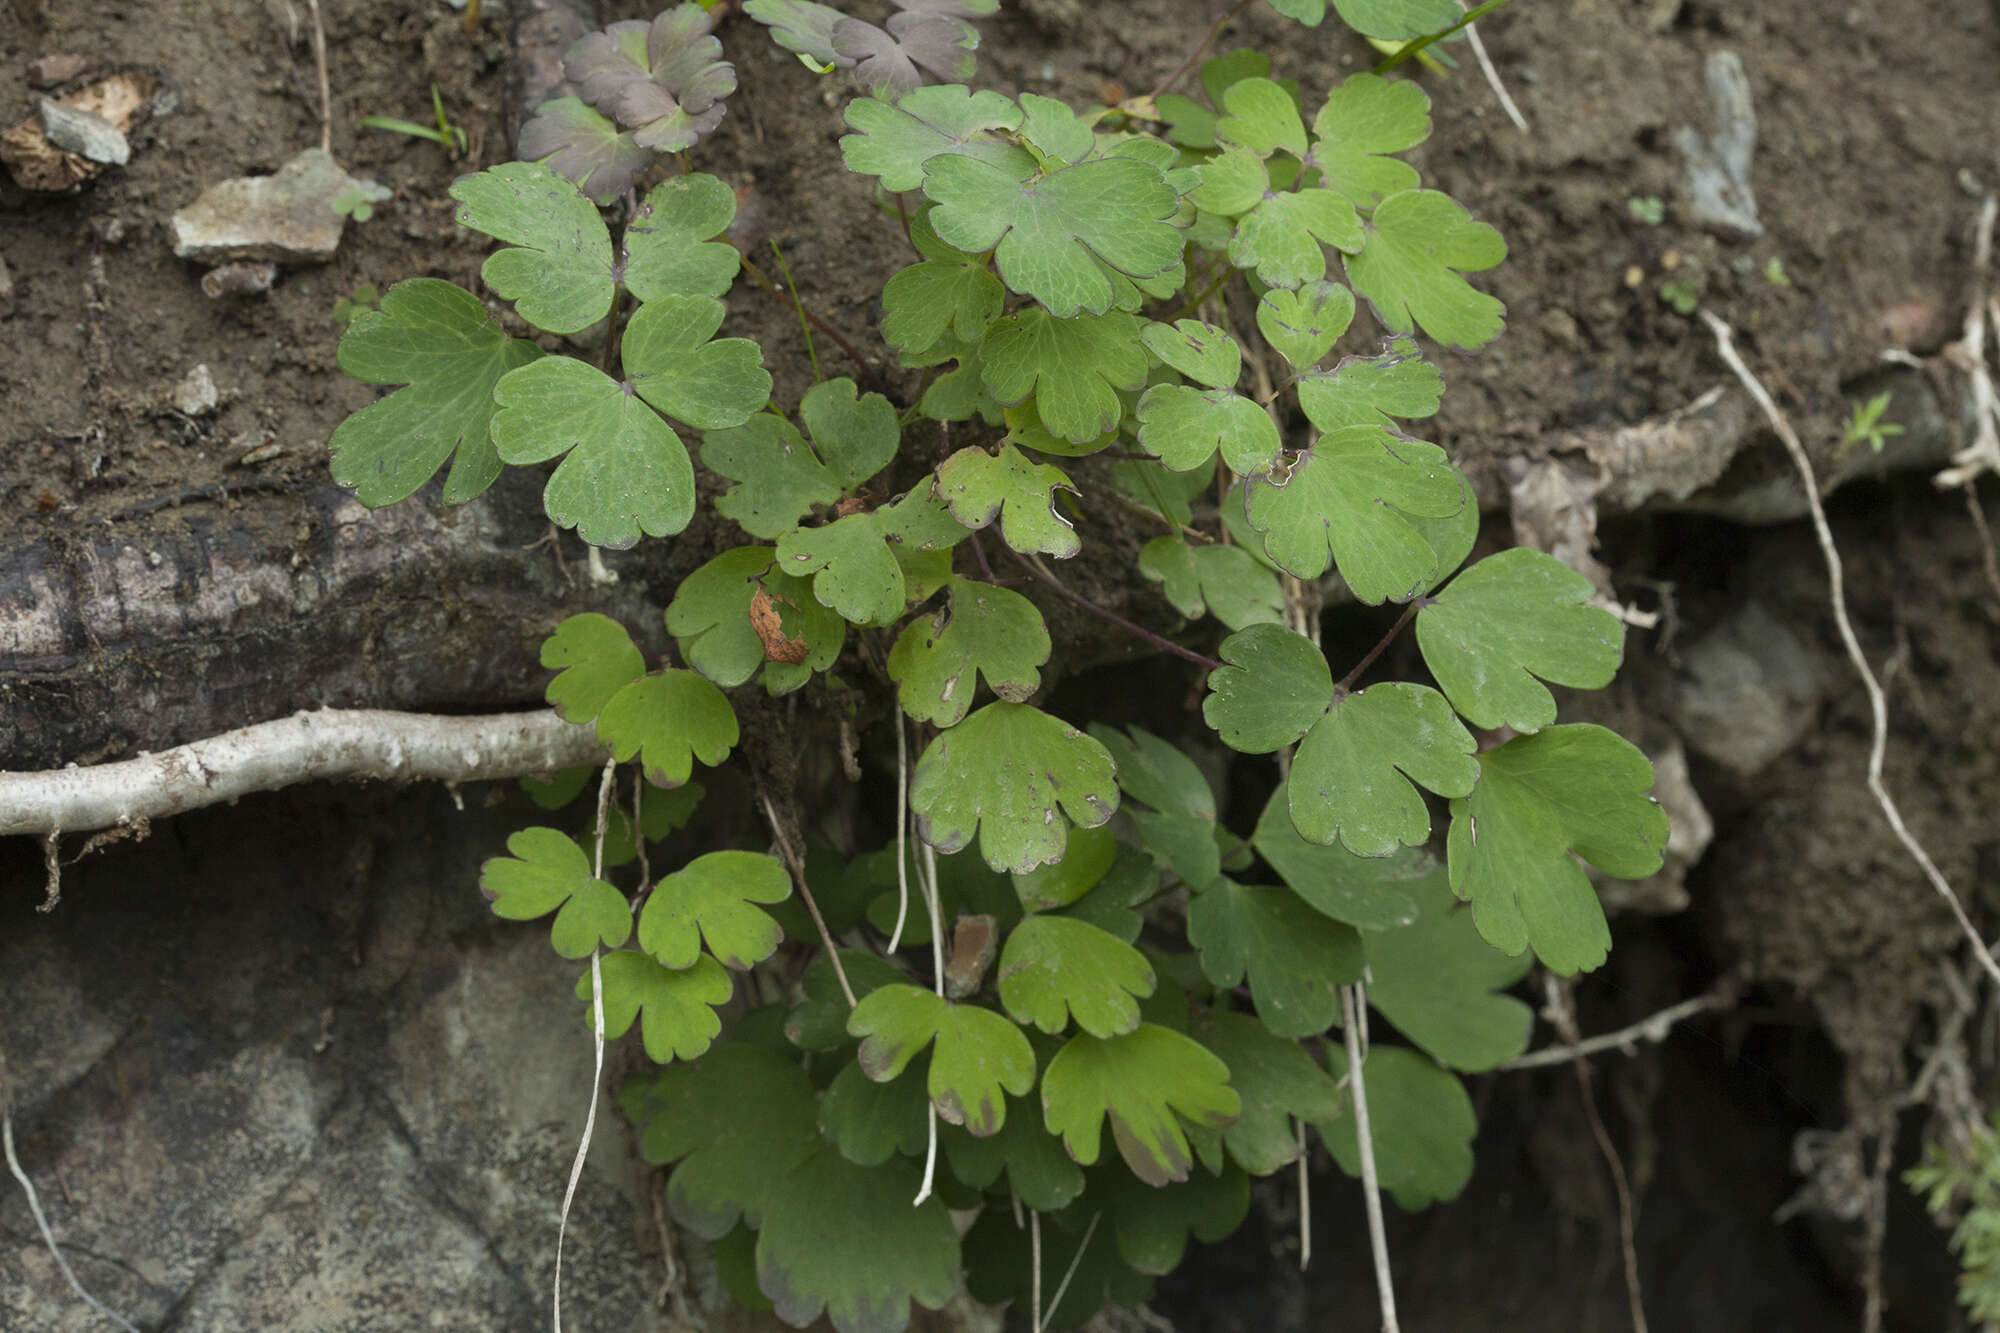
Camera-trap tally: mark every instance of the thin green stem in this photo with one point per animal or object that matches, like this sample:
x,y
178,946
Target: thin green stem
x,y
868,374
1417,44
805,326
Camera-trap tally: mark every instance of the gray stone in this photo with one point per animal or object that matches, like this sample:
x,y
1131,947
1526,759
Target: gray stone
x,y
195,395
1748,691
86,135
1718,167
286,217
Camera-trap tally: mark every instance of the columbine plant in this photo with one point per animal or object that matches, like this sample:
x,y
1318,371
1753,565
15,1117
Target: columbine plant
x,y
1057,931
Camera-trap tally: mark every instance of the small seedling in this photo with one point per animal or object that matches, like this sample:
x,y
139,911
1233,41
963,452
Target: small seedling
x,y
1681,294
355,203
1647,208
350,307
450,136
1774,272
1866,425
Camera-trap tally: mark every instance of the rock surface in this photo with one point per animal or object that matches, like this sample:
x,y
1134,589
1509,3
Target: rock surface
x,y
1749,690
87,135
195,395
287,216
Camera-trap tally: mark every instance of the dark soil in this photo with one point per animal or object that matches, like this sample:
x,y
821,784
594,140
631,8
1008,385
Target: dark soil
x,y
1877,133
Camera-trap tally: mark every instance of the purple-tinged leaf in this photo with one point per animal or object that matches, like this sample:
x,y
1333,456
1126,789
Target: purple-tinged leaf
x,y
801,26
573,140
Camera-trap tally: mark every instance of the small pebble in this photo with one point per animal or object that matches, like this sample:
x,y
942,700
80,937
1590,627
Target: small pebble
x,y
239,280
195,395
88,136
51,70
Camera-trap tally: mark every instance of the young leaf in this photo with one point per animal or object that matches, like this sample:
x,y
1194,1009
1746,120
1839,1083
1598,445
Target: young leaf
x,y
559,278
887,62
679,1007
1037,1167
843,1239
1304,324
1510,618
1297,959
1356,774
1055,968
1277,684
1349,495
1005,772
1147,1081
1282,238
1395,20
871,1122
669,721
1050,236
736,1121
1368,391
437,341
671,361
980,487
819,1022
925,301
1366,892
596,658
1073,367
1441,984
669,248
1365,118
624,471
1277,1081
714,621
1224,579
1419,241
977,1053
708,901
1421,1122
662,81
1186,427
1202,352
780,477
986,630
545,870
853,570
798,25
1055,131
1262,117
895,141
581,144
1570,789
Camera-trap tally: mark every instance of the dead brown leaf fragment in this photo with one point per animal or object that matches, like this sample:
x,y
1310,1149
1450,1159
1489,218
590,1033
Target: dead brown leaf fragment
x,y
770,627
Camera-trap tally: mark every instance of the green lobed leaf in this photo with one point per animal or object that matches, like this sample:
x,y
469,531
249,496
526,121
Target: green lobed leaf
x,y
1278,1082
1283,238
819,1021
736,1121
853,571
678,1006
871,1122
1055,968
980,487
670,359
894,142
1006,772
669,720
624,472
1186,427
1368,391
711,621
708,901
1202,352
1350,495
1262,117
1420,1121
1438,982
976,1054
1153,1224
1513,617
1370,893
1356,774
1297,959
1303,324
843,1240
1037,1168
1396,20
1054,237
1157,772
925,302
669,247
1146,1082
985,630
1087,859
1054,130
437,341
1233,182
1224,579
1309,12
1000,1267
595,658
1072,367
546,870
576,141
1364,119
1277,684
780,477
1419,241
557,271
1570,789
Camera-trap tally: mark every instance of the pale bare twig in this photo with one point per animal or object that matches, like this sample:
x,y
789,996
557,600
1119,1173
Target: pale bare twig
x,y
797,866
42,1222
1076,1262
1877,703
1651,1028
1983,454
1493,75
902,834
325,87
1560,1015
927,882
1351,1002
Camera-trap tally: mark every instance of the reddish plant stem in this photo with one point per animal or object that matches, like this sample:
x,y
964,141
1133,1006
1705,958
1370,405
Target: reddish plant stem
x,y
1159,641
1201,46
985,566
1409,614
